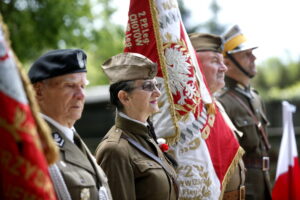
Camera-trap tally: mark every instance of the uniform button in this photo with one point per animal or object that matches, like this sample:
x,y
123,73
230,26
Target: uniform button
x,y
85,194
82,180
245,122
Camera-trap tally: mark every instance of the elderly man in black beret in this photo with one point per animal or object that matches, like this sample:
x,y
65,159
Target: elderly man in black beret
x,y
59,79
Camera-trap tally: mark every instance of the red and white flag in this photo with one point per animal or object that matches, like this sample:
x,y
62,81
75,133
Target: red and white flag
x,y
287,183
23,166
199,138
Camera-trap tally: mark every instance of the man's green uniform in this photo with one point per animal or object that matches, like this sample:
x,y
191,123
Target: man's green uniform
x,y
256,157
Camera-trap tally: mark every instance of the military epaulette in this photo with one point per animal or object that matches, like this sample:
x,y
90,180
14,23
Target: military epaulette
x,y
115,137
221,92
58,139
242,90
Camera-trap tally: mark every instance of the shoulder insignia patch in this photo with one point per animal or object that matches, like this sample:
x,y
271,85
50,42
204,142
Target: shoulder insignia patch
x,y
58,139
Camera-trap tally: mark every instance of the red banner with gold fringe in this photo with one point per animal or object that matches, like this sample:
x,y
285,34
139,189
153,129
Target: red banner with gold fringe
x,y
23,166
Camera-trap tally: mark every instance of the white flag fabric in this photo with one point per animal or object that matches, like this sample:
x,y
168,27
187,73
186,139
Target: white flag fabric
x,y
199,138
287,183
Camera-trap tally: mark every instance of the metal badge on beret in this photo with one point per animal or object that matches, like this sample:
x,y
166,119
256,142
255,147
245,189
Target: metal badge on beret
x,y
81,58
129,66
56,63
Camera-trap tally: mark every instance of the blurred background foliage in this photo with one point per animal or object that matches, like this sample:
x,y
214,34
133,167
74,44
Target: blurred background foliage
x,y
277,80
37,26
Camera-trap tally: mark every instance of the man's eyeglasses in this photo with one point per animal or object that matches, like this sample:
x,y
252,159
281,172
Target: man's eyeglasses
x,y
150,86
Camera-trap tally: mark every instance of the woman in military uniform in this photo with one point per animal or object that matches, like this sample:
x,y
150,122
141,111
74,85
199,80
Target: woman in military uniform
x,y
129,154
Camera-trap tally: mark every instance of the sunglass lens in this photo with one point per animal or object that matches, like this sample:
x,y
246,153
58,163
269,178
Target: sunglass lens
x,y
149,86
158,86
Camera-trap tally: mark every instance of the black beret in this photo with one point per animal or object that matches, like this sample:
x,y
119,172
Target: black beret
x,y
56,63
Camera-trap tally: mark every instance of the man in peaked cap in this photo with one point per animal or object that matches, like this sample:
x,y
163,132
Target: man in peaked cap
x,y
59,79
246,110
209,49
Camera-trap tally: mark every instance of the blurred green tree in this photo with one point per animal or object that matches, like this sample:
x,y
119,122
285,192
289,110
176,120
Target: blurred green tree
x,y
37,26
278,80
275,79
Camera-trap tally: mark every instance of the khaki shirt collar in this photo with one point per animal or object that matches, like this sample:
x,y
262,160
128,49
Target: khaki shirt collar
x,y
132,127
234,85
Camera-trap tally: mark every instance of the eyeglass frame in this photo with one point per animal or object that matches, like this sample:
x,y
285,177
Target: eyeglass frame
x,y
150,87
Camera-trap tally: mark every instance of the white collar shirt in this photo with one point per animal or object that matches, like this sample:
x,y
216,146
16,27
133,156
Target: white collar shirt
x,y
69,132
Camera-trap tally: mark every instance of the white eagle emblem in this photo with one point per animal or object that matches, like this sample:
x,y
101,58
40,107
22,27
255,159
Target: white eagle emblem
x,y
179,74
81,60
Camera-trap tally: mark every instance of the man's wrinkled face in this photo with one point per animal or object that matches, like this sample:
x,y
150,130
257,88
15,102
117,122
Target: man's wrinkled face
x,y
213,68
62,97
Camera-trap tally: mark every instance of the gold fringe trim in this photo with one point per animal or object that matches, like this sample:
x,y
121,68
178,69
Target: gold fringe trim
x,y
50,149
172,139
162,62
231,169
211,108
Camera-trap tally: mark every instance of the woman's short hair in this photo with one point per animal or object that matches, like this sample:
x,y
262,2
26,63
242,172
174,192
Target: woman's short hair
x,y
114,89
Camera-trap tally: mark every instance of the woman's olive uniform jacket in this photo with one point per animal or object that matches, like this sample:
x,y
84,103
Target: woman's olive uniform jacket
x,y
133,175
